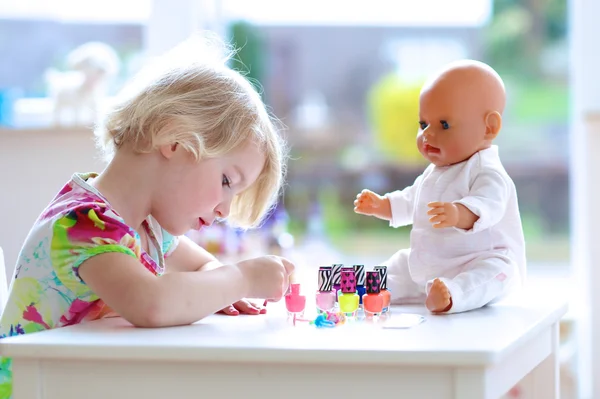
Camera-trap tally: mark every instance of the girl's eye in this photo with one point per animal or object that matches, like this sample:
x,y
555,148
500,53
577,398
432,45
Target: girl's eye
x,y
445,125
423,125
226,181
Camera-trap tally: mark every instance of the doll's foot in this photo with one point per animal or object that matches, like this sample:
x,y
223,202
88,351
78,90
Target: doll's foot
x,y
438,300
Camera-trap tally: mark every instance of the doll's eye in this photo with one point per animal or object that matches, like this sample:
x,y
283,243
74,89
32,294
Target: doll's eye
x,y
423,125
445,125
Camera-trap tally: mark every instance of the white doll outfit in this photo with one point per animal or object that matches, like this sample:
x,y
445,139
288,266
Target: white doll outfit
x,y
480,265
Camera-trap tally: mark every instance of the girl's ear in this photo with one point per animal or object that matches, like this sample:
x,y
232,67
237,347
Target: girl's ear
x,y
168,150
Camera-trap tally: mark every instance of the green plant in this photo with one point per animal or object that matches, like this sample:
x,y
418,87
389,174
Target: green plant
x,y
249,47
334,218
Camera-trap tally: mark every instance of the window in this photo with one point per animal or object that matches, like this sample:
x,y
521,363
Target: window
x,y
107,11
327,67
50,30
432,13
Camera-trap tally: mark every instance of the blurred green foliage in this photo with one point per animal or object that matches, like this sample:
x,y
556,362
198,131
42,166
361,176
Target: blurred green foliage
x,y
249,46
520,30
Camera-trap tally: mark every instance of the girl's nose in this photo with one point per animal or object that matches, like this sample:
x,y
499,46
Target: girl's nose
x,y
222,210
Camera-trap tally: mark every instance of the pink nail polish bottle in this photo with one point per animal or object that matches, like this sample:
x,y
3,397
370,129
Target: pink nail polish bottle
x,y
294,302
326,296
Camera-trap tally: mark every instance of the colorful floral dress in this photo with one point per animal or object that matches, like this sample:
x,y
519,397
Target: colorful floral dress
x,y
46,290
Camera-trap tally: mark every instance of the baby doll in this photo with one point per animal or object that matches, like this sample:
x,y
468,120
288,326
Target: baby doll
x,y
466,246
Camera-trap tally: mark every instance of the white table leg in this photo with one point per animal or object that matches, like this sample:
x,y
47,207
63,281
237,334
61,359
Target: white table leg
x,y
27,382
544,381
469,384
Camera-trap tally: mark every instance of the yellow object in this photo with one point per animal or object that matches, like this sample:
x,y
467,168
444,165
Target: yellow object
x,y
393,105
348,302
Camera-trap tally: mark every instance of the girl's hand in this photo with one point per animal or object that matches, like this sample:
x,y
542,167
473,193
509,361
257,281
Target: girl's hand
x,y
245,307
266,276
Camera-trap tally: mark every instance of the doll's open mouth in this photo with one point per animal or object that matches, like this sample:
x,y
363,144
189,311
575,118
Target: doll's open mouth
x,y
431,149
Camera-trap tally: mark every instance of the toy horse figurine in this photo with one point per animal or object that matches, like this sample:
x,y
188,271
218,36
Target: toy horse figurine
x,y
81,88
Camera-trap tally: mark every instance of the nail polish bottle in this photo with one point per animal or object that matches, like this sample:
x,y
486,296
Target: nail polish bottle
x,y
373,299
348,298
344,268
359,272
336,277
294,302
326,296
387,296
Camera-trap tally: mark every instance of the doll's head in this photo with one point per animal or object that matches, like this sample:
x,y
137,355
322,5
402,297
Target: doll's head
x,y
460,112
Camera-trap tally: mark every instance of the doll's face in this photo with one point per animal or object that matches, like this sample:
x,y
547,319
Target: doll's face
x,y
452,125
459,113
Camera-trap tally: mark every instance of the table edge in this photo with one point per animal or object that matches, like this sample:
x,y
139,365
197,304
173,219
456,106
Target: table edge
x,y
12,347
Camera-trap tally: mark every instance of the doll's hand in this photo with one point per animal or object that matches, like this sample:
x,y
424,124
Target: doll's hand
x,y
372,204
443,214
245,307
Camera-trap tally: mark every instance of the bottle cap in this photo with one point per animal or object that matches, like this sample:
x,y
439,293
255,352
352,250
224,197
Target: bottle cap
x,y
325,278
383,275
337,273
373,282
295,289
359,272
348,281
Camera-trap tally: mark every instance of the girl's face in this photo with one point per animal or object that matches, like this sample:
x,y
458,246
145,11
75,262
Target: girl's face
x,y
192,194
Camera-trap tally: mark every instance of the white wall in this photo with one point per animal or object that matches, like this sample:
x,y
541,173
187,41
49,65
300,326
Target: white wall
x,y
585,72
34,165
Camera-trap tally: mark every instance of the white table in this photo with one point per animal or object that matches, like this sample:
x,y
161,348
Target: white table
x,y
475,355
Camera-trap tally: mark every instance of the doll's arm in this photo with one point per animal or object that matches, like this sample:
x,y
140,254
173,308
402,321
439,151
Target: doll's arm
x,y
402,204
451,214
372,204
486,203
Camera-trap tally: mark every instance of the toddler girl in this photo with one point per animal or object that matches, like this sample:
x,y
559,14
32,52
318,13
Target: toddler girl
x,y
189,142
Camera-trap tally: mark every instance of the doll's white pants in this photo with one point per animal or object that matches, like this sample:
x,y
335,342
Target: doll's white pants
x,y
481,281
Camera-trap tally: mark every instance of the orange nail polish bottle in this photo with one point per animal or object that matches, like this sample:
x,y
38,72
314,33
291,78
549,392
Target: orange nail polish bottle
x,y
387,296
373,299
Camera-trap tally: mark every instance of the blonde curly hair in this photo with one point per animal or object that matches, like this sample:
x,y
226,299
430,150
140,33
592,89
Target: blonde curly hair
x,y
191,97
